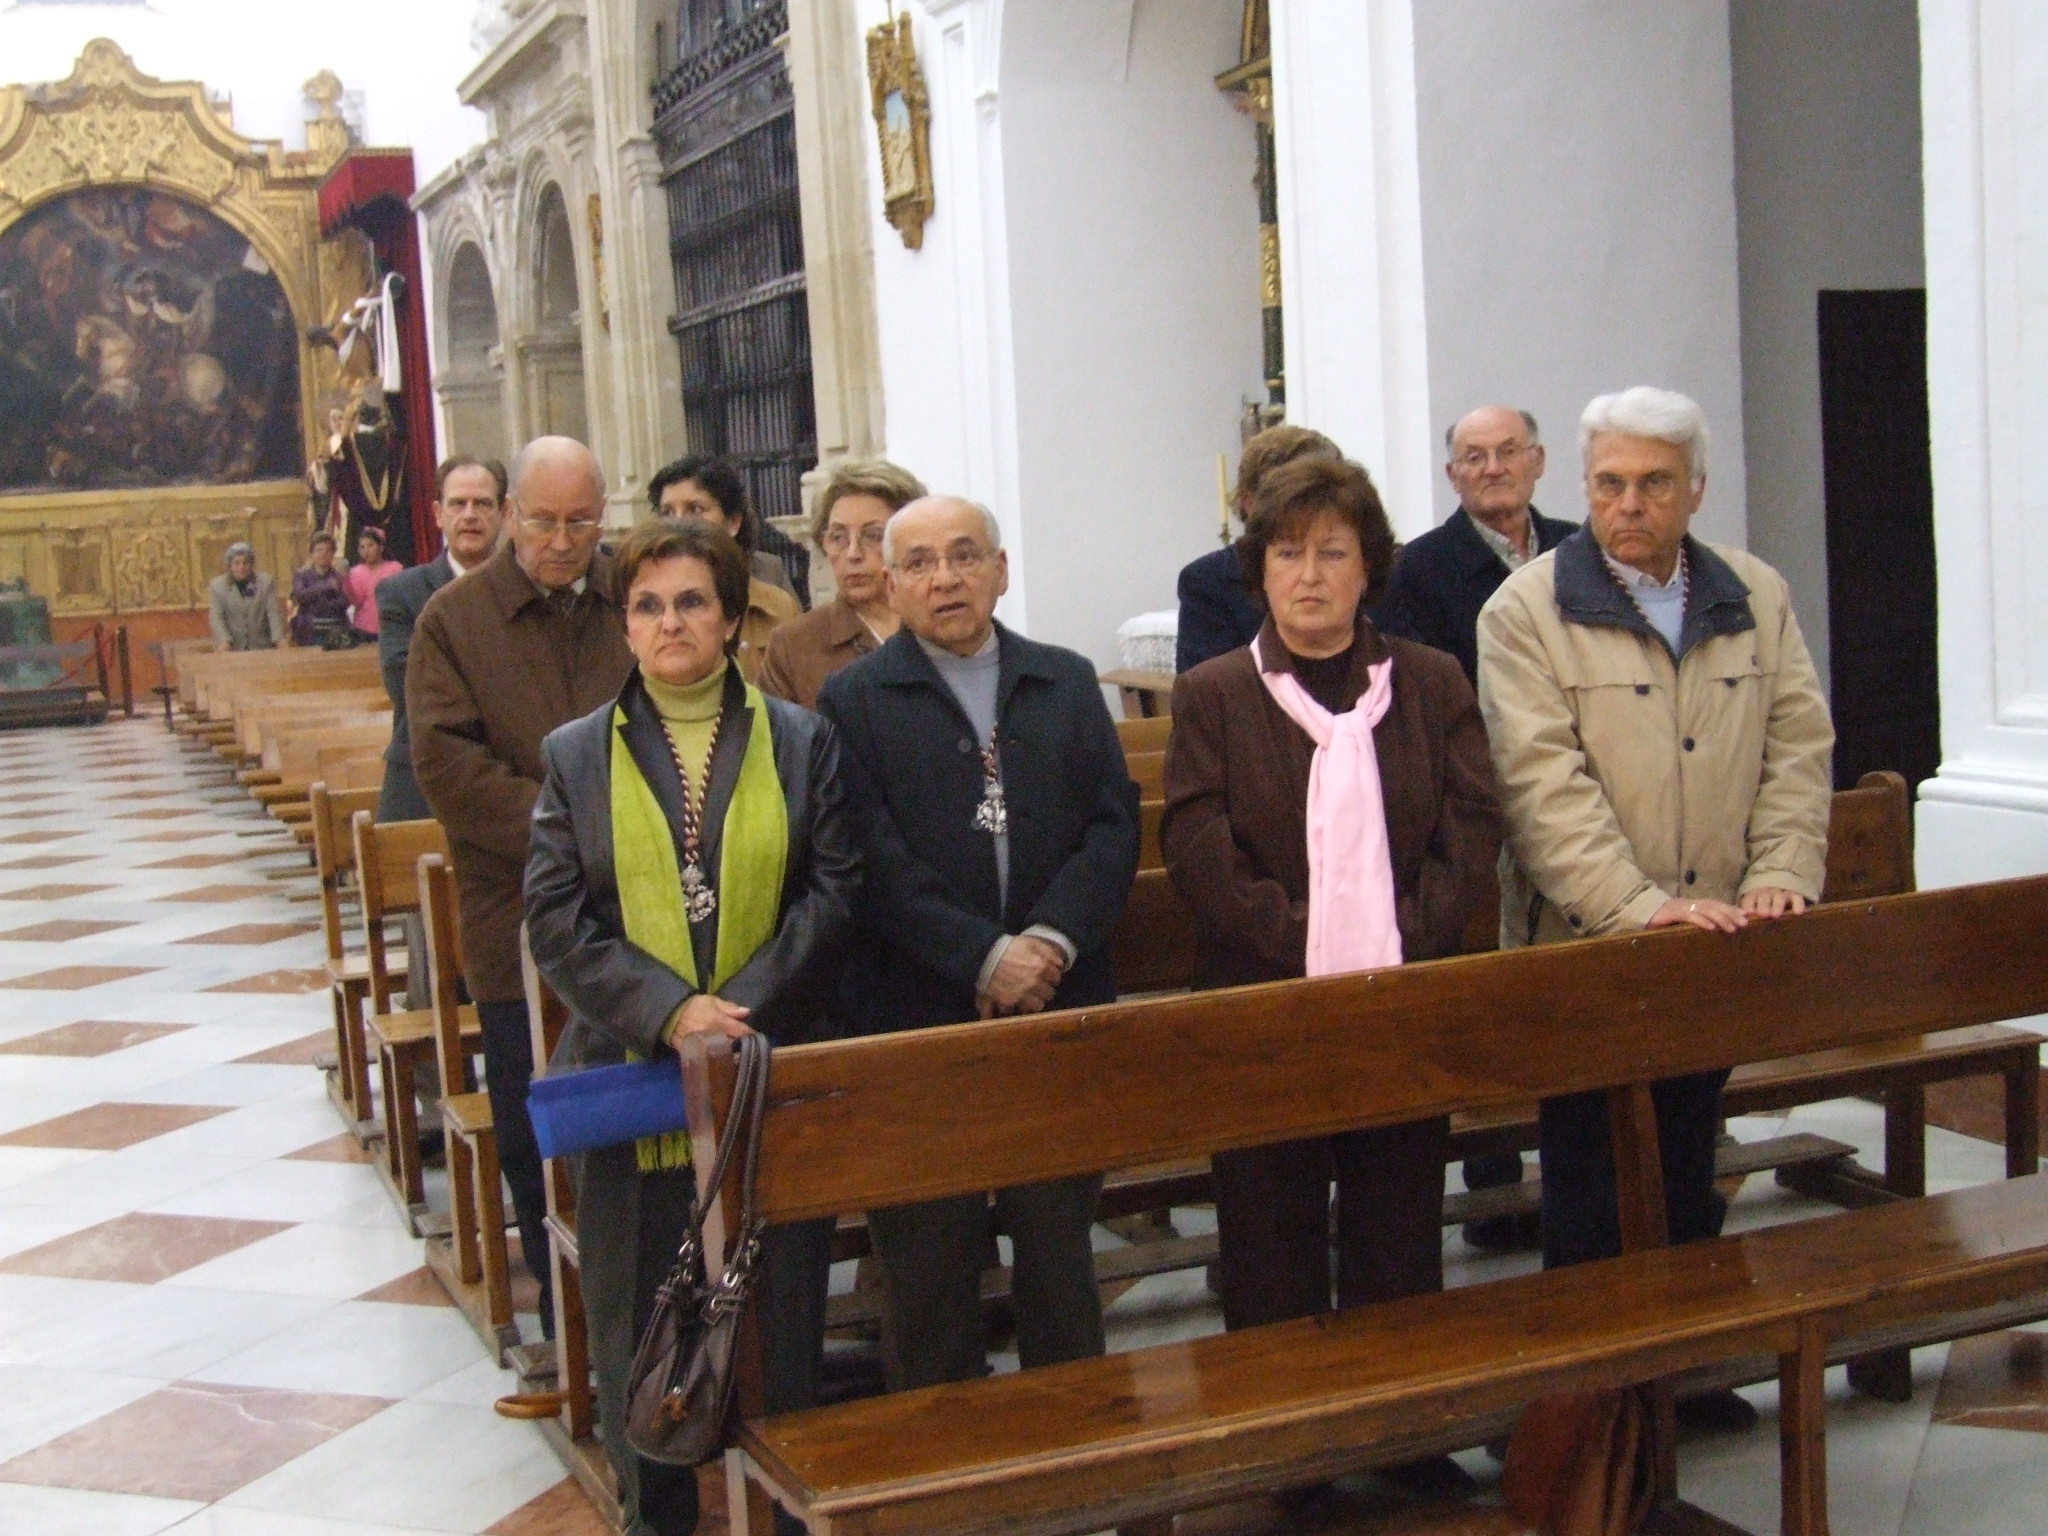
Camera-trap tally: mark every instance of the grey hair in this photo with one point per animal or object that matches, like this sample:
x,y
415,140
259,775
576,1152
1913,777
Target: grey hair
x,y
1528,420
546,449
239,547
1646,411
988,518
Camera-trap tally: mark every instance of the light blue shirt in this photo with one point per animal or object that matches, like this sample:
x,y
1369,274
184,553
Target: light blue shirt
x,y
1662,603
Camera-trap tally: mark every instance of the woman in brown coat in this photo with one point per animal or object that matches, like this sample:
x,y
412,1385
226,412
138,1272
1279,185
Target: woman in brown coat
x,y
1236,835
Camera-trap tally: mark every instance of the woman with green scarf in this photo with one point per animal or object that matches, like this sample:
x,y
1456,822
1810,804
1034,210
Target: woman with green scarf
x,y
692,869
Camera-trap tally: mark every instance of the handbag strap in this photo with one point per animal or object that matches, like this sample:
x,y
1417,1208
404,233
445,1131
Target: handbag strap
x,y
749,1099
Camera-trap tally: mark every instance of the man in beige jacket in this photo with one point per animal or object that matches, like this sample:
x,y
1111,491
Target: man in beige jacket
x,y
1662,749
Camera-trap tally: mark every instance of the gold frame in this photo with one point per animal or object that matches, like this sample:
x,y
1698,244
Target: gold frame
x,y
110,125
906,146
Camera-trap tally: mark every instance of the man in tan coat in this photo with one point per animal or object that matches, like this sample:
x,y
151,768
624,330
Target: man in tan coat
x,y
1662,749
530,640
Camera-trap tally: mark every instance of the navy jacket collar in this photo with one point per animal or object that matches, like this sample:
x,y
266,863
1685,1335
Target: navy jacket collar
x,y
1717,600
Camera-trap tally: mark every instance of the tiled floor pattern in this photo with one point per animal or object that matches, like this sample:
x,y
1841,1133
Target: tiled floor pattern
x,y
212,1321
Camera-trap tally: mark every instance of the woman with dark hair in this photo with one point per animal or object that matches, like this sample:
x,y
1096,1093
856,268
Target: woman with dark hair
x,y
319,598
711,491
1329,807
370,570
692,870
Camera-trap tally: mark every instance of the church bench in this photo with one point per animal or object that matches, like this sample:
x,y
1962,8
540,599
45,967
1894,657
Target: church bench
x,y
882,1120
255,721
348,973
1148,733
388,856
223,677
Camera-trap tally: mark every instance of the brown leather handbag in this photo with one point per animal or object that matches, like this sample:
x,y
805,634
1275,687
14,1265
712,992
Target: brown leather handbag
x,y
679,1398
1579,1464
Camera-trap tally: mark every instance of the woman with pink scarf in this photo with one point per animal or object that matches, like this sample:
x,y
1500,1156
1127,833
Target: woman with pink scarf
x,y
1329,807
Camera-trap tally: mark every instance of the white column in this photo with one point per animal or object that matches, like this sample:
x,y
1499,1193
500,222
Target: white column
x,y
1351,271
1985,135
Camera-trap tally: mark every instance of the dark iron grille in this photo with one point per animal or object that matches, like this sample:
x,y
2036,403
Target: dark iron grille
x,y
728,144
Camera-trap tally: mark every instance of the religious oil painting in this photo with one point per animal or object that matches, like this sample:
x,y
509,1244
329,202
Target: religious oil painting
x,y
143,342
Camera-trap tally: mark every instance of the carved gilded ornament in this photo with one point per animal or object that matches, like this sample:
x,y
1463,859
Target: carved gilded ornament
x,y
903,125
109,125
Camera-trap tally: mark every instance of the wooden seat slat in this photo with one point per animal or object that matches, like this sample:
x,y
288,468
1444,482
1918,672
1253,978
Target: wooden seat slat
x,y
1190,1417
1080,1091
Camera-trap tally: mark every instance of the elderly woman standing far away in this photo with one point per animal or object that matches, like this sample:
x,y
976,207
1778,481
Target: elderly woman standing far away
x,y
692,870
1329,807
853,509
244,612
319,598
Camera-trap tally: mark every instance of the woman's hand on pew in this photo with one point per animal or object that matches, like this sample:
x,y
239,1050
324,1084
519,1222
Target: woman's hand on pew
x,y
1773,901
1714,916
707,1014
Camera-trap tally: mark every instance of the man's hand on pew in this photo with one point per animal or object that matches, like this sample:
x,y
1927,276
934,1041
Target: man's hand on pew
x,y
1773,901
1024,979
707,1014
1714,916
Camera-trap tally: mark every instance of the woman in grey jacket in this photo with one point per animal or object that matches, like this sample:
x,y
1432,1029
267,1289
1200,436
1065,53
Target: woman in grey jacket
x,y
692,870
245,613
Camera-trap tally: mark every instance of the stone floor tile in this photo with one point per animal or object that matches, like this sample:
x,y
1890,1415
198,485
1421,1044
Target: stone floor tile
x,y
140,1247
109,1127
90,1037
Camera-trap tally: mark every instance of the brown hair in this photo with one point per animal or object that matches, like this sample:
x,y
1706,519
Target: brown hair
x,y
889,483
322,537
456,461
687,539
1269,449
1288,500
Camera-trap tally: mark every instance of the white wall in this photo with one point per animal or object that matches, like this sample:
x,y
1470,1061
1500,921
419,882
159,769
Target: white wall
x,y
1578,219
1072,342
405,56
1827,190
1984,103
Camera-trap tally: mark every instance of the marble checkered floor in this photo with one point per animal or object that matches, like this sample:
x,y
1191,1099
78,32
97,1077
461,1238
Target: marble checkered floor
x,y
213,1322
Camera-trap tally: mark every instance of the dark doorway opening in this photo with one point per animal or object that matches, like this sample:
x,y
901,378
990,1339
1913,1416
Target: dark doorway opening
x,y
1880,530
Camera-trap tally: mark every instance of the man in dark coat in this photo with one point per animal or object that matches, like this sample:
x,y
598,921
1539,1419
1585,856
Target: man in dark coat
x,y
532,640
1440,583
1217,611
1444,578
469,500
999,830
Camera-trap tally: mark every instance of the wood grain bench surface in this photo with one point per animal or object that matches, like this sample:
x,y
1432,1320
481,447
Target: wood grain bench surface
x,y
885,1120
1192,1415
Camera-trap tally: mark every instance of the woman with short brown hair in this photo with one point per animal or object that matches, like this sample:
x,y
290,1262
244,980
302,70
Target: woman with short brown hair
x,y
1329,807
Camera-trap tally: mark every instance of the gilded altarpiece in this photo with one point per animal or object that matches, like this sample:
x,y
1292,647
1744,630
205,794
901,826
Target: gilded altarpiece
x,y
130,187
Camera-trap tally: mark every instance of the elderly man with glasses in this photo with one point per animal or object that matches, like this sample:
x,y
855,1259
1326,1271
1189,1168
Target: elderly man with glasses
x,y
1000,834
531,639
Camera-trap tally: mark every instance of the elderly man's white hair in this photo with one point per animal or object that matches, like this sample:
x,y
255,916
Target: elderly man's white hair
x,y
555,451
1643,411
988,522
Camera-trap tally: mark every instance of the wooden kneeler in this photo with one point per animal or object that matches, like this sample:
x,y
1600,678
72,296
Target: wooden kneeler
x,y
475,1185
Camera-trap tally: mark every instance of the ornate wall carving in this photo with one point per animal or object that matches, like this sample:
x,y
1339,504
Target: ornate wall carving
x,y
110,126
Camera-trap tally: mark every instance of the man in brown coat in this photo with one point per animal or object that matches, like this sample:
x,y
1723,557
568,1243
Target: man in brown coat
x,y
532,641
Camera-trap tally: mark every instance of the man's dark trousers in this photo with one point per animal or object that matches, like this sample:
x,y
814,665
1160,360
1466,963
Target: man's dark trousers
x,y
1581,1217
932,1254
508,1069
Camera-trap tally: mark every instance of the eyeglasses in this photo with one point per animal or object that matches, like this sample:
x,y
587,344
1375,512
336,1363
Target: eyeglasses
x,y
964,560
1659,486
839,540
548,527
690,601
1473,460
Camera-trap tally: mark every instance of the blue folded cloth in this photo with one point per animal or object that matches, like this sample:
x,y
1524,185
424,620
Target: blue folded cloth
x,y
604,1106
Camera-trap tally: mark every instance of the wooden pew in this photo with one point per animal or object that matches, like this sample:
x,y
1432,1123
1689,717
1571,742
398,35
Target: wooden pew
x,y
348,974
471,1261
1134,1437
1147,733
388,855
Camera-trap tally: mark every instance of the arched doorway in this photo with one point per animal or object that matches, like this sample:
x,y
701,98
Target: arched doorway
x,y
472,384
556,352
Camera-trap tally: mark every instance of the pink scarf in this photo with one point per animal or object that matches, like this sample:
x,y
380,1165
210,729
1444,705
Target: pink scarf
x,y
1351,921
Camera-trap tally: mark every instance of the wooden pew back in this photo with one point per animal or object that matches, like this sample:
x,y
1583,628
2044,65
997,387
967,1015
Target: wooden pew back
x,y
334,851
1147,734
927,1114
439,910
387,865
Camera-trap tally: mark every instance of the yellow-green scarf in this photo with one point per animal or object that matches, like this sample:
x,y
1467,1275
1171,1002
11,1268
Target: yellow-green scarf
x,y
753,853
